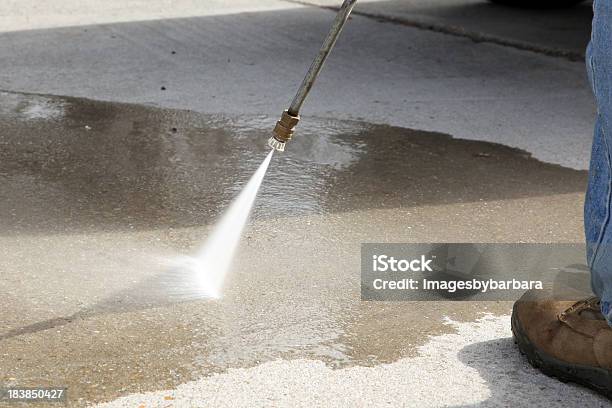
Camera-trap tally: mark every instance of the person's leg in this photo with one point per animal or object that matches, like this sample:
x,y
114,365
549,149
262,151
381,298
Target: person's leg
x,y
598,198
573,340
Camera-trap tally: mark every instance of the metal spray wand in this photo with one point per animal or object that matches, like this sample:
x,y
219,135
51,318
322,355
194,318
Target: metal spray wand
x,y
290,117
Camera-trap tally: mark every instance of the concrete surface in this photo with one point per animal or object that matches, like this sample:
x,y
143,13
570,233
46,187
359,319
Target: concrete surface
x,y
474,350
302,383
251,63
19,15
101,196
564,32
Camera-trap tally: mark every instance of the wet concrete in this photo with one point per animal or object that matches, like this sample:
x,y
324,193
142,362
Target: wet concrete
x,y
99,197
95,166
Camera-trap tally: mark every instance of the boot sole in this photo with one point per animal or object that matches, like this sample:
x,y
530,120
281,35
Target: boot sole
x,y
596,378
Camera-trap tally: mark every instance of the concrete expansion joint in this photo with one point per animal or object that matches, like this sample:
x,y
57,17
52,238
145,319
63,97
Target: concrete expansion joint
x,y
457,32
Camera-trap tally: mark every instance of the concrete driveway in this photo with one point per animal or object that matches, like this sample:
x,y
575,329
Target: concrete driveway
x,y
414,134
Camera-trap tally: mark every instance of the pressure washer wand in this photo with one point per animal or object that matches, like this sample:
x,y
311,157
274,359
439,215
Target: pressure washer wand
x,y
290,117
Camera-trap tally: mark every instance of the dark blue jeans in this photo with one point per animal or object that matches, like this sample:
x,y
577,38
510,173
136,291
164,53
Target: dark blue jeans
x,y
598,197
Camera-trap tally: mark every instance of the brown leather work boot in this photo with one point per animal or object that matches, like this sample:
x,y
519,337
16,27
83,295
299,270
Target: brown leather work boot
x,y
567,340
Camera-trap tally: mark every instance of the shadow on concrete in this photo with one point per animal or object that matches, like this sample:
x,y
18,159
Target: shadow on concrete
x,y
160,290
562,32
510,378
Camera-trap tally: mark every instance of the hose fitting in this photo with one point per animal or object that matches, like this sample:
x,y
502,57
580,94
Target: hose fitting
x,y
286,124
283,131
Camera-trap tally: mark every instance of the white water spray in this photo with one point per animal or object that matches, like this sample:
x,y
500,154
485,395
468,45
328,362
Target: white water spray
x,y
210,266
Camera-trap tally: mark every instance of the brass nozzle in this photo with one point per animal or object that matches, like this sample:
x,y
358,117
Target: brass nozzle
x,y
283,131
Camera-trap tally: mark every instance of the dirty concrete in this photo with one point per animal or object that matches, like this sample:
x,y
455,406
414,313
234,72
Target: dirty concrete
x,y
100,197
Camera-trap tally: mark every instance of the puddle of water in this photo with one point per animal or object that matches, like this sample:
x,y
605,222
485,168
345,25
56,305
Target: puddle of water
x,y
105,167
